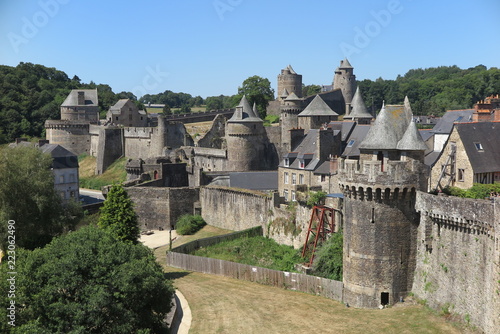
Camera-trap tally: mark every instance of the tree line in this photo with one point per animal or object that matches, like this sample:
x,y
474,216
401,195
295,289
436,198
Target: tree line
x,y
434,90
30,94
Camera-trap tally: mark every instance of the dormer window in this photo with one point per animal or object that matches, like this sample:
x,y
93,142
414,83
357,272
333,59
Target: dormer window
x,y
287,162
479,147
302,164
351,142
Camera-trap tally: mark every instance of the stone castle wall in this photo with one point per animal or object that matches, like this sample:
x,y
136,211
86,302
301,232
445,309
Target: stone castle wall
x,y
159,208
458,257
72,135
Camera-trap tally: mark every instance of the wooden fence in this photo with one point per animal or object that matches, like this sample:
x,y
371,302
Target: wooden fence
x,y
293,281
190,247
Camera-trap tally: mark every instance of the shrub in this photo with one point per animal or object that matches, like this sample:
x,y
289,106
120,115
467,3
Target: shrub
x,y
315,198
328,260
189,224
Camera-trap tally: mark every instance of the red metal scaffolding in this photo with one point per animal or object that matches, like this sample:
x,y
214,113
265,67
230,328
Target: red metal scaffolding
x,y
321,224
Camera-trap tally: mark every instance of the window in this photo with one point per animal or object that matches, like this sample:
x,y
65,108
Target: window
x,y
285,194
116,118
479,147
461,173
287,162
130,117
285,176
61,178
301,164
294,178
323,178
351,142
72,194
301,178
293,196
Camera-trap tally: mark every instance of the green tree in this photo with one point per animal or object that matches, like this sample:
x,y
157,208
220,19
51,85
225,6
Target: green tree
x,y
28,197
315,198
118,215
257,90
328,260
87,282
310,90
189,224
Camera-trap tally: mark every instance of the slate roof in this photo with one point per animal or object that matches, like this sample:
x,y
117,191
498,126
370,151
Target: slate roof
x,y
345,128
358,135
284,93
293,97
306,150
244,113
62,157
359,109
412,140
317,107
487,134
445,124
289,68
388,128
345,64
254,180
90,98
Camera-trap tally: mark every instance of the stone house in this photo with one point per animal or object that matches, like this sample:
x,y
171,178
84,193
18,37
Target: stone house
x,y
487,110
126,113
307,166
316,114
81,105
471,155
64,167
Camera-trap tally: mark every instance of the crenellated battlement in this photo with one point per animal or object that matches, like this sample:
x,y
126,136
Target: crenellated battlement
x,y
391,174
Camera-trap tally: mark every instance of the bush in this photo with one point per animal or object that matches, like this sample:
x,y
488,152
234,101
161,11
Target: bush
x,y
315,198
255,251
478,191
328,260
189,224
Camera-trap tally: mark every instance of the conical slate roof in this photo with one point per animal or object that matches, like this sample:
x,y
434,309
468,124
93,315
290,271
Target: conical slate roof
x,y
412,140
289,67
358,107
345,63
408,111
318,107
292,97
244,113
284,93
388,129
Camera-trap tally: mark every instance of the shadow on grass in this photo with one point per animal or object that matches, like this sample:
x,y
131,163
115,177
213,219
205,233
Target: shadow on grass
x,y
176,274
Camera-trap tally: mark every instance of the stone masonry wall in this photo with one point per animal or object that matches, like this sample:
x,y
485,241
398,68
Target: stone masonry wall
x,y
234,210
159,208
458,258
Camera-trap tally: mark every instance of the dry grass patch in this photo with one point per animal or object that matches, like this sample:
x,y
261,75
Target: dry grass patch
x,y
224,305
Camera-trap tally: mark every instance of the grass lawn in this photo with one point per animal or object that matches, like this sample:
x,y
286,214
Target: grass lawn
x,y
115,173
224,305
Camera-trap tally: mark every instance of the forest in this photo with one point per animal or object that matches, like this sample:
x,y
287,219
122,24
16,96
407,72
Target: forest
x,y
31,94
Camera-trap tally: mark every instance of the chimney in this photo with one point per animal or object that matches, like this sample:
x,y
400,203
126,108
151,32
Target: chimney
x,y
334,164
81,98
296,136
19,140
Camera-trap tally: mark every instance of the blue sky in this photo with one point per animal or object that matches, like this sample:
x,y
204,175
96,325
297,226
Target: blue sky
x,y
208,47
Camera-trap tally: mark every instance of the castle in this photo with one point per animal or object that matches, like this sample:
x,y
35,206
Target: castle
x,y
397,238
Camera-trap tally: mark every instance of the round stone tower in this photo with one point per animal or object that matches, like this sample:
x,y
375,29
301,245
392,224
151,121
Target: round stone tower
x,y
245,139
380,226
289,82
345,80
290,109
